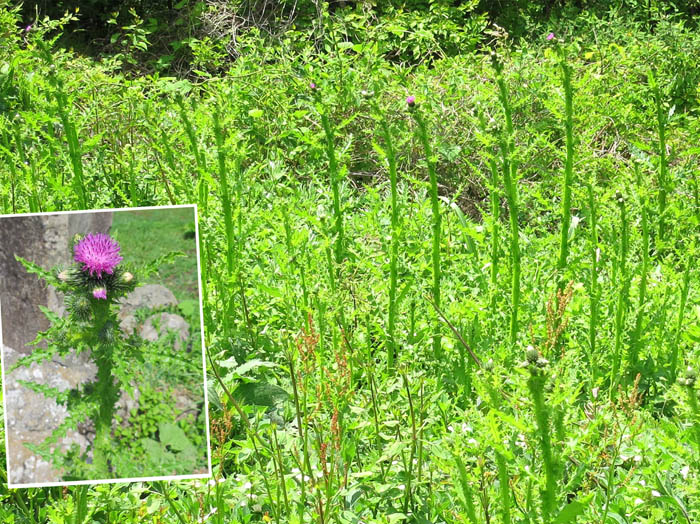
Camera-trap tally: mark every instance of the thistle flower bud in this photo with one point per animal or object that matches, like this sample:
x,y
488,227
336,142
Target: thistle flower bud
x,y
689,378
127,277
411,100
63,275
532,355
79,307
100,293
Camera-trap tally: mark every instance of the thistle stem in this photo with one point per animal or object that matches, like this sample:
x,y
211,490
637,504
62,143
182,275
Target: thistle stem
x,y
568,175
391,161
430,161
108,393
509,169
536,385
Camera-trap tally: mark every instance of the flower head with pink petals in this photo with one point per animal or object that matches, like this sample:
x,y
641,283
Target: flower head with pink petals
x,y
99,253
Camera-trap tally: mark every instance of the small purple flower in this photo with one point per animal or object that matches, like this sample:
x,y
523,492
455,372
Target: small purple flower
x,y
98,253
99,292
411,100
550,36
312,86
28,28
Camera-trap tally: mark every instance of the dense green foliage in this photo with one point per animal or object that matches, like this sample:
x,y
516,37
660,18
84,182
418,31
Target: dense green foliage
x,y
569,413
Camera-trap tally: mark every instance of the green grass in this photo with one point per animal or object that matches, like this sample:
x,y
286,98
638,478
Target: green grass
x,y
144,235
324,251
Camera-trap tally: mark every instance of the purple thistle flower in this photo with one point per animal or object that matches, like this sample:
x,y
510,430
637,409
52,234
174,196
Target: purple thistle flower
x,y
550,36
98,253
99,292
411,100
312,86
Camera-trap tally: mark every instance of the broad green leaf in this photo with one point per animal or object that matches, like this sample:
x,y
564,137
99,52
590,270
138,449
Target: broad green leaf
x,y
261,394
172,436
572,510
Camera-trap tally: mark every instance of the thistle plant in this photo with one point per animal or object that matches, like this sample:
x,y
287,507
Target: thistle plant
x,y
390,156
92,286
510,168
688,380
334,174
537,365
623,295
568,173
661,126
422,133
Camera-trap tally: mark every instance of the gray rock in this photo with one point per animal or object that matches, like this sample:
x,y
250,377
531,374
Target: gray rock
x,y
127,403
185,402
149,296
166,323
44,240
32,417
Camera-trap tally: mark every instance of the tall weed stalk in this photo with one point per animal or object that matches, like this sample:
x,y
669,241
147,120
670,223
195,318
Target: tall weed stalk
x,y
594,291
622,296
74,149
509,170
422,133
334,178
536,385
389,154
568,173
681,314
636,341
225,195
494,196
661,122
202,186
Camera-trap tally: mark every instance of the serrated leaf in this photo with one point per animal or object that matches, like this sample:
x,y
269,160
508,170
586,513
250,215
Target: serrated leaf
x,y
35,269
163,260
512,421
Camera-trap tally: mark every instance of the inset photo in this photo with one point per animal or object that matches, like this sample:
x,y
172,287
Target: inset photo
x,y
103,368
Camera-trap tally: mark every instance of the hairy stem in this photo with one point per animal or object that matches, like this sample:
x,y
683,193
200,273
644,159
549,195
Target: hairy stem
x,y
430,161
536,386
509,170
